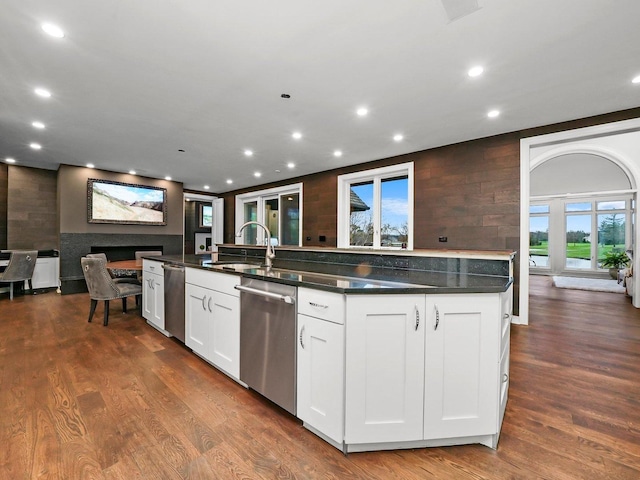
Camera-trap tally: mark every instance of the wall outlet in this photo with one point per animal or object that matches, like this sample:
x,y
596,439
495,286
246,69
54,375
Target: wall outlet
x,y
442,239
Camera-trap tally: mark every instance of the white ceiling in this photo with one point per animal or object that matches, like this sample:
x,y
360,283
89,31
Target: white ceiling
x,y
134,81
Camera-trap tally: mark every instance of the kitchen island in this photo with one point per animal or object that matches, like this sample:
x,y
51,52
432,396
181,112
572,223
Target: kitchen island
x,y
393,350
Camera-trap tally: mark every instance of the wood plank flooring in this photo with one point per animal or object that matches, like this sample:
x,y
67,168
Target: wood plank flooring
x,y
83,401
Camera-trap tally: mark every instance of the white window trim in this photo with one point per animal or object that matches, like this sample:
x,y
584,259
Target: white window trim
x,y
260,196
344,200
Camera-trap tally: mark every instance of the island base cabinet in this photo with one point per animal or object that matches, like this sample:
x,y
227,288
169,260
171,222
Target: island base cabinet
x,y
384,368
212,319
320,376
153,294
462,366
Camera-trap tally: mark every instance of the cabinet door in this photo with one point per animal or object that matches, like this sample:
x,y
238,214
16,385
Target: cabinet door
x,y
462,365
225,334
320,383
46,273
197,319
384,368
157,310
148,300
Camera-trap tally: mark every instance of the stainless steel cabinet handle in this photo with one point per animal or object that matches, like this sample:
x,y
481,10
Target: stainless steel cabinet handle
x,y
318,305
506,315
209,303
263,293
417,318
204,307
505,378
302,333
151,284
437,318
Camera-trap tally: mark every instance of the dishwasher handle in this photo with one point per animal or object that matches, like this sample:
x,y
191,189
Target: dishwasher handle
x,y
173,267
285,298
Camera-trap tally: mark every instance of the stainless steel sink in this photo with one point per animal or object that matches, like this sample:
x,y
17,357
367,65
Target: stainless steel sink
x,y
233,265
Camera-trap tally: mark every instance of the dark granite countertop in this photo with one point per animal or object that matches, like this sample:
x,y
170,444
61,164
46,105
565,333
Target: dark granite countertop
x,y
358,279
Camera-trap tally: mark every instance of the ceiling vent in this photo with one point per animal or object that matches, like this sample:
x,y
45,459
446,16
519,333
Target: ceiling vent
x,y
457,9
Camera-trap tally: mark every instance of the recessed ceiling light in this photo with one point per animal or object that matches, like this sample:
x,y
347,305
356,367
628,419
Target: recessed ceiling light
x,y
10,160
167,178
132,172
257,174
206,187
39,125
53,30
291,165
296,135
42,92
248,153
35,146
475,71
398,137
90,165
362,111
229,181
636,79
493,113
337,153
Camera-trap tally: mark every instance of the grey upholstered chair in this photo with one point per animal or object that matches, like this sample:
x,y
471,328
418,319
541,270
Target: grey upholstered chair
x,y
148,253
102,287
20,268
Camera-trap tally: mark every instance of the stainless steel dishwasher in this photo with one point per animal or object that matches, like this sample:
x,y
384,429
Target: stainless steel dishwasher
x,y
174,300
268,340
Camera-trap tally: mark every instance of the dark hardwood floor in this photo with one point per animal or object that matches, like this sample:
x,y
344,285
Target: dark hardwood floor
x,y
83,401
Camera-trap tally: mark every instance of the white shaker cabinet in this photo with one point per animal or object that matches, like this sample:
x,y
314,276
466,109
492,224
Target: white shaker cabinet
x,y
384,368
320,355
212,318
197,318
462,366
153,293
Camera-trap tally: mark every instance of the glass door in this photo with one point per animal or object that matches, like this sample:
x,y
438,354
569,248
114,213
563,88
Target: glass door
x,y
579,254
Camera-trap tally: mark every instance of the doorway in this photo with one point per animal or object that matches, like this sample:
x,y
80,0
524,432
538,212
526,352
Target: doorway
x,y
567,168
203,223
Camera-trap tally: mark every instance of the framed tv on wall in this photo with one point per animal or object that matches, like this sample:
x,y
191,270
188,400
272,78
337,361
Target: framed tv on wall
x,y
125,203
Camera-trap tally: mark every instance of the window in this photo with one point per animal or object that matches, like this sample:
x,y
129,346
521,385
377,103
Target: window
x,y
539,235
206,216
279,209
574,234
375,208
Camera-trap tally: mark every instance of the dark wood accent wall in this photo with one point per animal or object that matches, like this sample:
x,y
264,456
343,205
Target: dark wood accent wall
x,y
32,213
4,187
468,192
192,224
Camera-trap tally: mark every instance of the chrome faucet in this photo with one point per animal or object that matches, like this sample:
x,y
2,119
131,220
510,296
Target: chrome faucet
x,y
271,251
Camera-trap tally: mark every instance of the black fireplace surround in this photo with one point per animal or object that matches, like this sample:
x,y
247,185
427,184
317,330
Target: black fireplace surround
x,y
74,246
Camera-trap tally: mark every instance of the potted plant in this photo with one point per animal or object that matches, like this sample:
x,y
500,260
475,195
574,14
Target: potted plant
x,y
614,260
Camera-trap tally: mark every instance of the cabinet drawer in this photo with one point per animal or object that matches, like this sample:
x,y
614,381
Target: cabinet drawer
x,y
320,304
220,282
152,266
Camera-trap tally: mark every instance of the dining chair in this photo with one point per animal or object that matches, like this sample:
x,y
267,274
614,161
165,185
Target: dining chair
x,y
148,253
20,268
102,287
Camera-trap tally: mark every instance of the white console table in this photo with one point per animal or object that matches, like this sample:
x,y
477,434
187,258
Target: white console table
x,y
45,275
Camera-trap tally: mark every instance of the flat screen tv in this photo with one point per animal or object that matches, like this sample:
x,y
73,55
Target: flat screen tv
x,y
125,203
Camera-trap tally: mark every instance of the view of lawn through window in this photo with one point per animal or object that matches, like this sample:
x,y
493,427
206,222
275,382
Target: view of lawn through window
x,y
585,222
